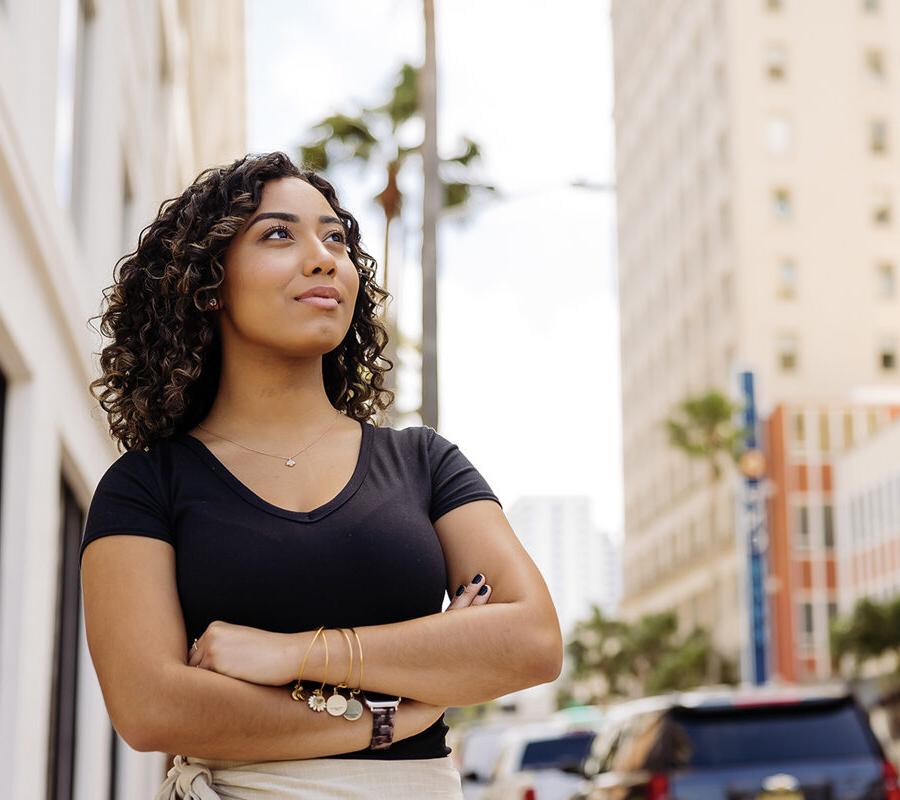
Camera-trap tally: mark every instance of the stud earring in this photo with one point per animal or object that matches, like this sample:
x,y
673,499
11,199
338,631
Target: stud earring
x,y
213,303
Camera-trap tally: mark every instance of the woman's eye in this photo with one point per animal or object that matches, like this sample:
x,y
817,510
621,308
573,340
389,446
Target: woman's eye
x,y
273,230
340,234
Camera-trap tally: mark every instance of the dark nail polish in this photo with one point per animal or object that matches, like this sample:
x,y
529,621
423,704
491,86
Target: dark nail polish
x,y
460,590
483,590
477,578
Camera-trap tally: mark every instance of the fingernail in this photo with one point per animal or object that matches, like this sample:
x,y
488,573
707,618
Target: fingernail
x,y
460,590
477,578
483,590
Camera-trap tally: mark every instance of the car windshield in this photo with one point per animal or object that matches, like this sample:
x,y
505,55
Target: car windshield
x,y
700,737
557,752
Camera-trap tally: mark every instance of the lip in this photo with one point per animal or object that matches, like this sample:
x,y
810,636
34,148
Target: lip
x,y
321,291
319,302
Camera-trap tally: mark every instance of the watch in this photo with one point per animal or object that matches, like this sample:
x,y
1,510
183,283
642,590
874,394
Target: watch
x,y
383,708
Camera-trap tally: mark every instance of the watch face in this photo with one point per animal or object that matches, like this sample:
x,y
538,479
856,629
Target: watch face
x,y
378,697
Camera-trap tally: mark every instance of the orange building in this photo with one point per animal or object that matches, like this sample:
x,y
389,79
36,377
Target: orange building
x,y
801,441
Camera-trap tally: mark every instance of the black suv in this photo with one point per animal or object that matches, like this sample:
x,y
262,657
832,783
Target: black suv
x,y
741,745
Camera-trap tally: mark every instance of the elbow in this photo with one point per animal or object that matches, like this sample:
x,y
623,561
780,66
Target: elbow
x,y
546,656
136,734
551,663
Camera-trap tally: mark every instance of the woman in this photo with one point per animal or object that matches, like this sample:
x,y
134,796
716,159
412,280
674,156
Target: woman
x,y
258,517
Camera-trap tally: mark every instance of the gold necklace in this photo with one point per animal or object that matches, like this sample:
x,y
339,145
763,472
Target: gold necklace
x,y
289,462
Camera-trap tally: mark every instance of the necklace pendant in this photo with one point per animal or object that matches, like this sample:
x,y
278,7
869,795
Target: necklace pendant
x,y
290,462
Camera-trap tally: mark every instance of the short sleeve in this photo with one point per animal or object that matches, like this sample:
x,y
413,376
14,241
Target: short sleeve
x,y
128,499
454,480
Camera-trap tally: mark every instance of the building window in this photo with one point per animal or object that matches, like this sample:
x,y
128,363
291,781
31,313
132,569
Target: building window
x,y
832,610
828,524
779,135
787,279
888,354
724,220
722,148
881,207
801,537
799,428
871,6
776,62
787,352
878,137
807,618
874,60
65,709
128,233
781,203
887,280
872,421
824,432
848,429
719,79
74,24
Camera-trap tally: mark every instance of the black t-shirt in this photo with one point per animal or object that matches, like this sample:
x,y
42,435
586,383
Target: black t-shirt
x,y
369,556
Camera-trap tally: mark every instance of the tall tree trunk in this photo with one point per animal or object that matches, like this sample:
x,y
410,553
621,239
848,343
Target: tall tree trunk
x,y
431,207
390,321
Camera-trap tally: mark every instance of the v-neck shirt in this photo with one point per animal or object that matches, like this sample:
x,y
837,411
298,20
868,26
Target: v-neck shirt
x,y
368,556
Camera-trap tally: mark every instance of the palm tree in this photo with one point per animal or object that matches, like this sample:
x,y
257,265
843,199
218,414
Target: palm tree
x,y
431,207
704,429
373,136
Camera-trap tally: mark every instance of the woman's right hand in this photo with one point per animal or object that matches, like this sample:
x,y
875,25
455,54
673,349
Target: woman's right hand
x,y
414,716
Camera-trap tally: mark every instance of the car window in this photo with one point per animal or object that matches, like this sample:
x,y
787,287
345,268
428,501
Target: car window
x,y
638,742
553,753
716,737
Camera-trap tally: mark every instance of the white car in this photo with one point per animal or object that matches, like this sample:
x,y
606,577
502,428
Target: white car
x,y
540,765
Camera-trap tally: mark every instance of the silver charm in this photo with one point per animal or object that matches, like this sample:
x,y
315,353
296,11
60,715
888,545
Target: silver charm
x,y
354,709
290,462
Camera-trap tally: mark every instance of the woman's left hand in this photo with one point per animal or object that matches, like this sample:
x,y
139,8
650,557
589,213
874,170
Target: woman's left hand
x,y
238,651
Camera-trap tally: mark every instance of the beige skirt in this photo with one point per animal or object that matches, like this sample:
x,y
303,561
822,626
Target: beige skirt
x,y
193,778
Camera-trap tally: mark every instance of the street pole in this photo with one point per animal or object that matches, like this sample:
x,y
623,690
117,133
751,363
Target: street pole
x,y
756,537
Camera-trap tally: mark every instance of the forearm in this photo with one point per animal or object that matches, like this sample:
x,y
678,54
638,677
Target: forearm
x,y
448,659
202,713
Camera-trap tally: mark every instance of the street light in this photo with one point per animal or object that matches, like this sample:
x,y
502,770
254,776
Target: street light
x,y
594,186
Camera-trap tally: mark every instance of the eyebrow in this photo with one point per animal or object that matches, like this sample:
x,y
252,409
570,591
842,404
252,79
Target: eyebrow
x,y
284,215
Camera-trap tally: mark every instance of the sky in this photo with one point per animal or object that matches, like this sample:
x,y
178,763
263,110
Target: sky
x,y
527,312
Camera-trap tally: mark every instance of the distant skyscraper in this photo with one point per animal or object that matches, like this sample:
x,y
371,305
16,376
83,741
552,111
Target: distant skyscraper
x,y
579,562
757,178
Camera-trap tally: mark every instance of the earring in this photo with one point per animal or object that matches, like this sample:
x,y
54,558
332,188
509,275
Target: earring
x,y
213,303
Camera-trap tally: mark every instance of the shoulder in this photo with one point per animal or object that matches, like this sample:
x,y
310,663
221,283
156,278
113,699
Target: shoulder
x,y
141,470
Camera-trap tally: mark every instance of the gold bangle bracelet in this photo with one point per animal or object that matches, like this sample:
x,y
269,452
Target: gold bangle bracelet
x,y
297,693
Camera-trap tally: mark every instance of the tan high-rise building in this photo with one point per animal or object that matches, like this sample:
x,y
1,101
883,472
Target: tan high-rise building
x,y
757,170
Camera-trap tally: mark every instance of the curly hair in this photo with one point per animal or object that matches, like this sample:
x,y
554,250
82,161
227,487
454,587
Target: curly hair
x,y
161,371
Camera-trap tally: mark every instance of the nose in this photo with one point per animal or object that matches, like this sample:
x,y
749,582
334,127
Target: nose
x,y
317,257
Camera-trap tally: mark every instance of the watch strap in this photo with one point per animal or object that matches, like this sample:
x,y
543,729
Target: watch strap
x,y
382,727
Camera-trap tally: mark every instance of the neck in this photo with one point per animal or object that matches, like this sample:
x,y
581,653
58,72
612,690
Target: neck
x,y
269,399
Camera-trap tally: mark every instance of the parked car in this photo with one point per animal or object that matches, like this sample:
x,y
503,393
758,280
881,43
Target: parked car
x,y
478,748
541,766
788,744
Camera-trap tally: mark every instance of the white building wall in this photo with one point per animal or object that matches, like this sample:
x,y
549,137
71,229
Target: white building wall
x,y
139,112
867,493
